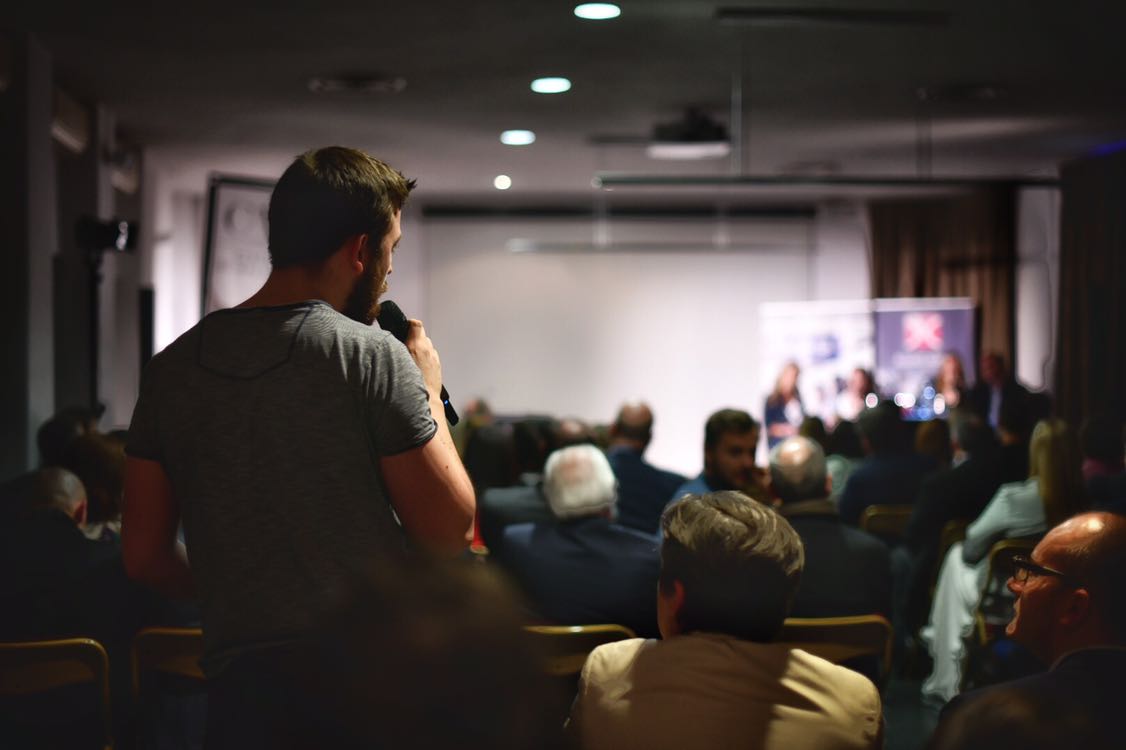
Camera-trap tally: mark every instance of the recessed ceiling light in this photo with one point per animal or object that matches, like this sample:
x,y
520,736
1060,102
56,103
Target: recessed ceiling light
x,y
502,182
552,85
597,11
517,137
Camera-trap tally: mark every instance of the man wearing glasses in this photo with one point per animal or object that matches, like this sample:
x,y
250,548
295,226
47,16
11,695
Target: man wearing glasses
x,y
1070,613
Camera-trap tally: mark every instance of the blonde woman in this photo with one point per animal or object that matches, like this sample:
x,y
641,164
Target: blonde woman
x,y
1052,493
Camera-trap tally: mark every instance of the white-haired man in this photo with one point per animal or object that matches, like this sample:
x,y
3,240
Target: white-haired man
x,y
584,568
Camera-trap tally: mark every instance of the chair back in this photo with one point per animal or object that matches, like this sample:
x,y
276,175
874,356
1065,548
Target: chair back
x,y
565,647
31,667
888,522
995,607
842,639
169,650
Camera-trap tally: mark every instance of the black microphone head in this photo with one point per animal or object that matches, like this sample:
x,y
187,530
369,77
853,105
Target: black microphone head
x,y
392,320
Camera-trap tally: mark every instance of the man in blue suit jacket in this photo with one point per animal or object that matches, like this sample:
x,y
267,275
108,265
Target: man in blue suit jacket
x,y
1071,613
584,568
643,489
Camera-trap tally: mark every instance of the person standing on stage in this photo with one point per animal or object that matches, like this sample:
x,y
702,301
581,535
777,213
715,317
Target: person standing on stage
x,y
294,441
784,411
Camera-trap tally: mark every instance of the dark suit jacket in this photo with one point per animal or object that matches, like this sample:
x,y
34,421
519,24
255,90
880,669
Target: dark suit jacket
x,y
499,507
886,479
961,492
643,489
980,396
847,571
585,571
1075,704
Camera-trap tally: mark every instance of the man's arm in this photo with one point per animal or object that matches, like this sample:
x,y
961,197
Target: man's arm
x,y
429,489
150,517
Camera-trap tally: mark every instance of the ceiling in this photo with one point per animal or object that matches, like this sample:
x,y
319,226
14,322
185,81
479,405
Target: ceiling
x,y
817,98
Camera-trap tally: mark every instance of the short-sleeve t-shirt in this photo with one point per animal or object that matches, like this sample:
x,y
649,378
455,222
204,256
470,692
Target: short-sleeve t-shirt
x,y
270,423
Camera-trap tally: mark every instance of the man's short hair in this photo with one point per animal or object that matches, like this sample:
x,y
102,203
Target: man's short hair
x,y
971,432
326,196
633,424
57,433
797,470
578,482
57,488
882,427
738,560
725,421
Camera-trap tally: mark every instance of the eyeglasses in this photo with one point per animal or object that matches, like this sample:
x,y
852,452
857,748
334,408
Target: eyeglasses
x,y
1023,567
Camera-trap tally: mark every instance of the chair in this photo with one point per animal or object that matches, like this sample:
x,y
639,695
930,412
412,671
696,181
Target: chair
x,y
33,667
842,639
888,522
953,532
995,607
566,647
174,651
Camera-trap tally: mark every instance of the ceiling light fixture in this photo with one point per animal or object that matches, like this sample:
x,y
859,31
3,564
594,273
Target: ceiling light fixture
x,y
551,85
517,137
597,11
502,182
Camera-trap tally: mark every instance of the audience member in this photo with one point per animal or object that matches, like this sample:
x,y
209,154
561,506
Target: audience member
x,y
730,568
950,382
1013,433
730,440
583,568
845,453
995,385
533,440
99,461
474,415
1052,493
891,473
784,412
643,489
1071,613
847,571
814,429
932,438
56,434
1102,439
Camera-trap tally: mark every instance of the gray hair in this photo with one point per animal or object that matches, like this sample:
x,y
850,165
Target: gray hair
x,y
797,470
578,482
58,488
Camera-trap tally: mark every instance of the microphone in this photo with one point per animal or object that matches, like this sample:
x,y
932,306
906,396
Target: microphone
x,y
392,320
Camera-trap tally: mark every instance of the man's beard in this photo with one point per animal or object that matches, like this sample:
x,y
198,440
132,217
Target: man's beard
x,y
363,302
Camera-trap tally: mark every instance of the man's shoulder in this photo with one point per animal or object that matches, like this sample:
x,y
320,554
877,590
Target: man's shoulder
x,y
611,660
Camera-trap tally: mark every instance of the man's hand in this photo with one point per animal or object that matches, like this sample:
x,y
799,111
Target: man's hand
x,y
422,349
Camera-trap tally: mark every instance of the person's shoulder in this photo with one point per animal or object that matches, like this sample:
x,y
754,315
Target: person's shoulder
x,y
611,659
848,686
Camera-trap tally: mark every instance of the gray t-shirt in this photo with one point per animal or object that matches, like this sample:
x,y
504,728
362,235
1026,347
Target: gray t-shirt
x,y
270,423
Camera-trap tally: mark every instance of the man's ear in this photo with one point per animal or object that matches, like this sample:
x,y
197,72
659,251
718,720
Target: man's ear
x,y
1076,610
670,602
356,254
79,513
828,484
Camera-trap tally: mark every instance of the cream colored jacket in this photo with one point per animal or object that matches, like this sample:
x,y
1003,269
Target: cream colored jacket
x,y
706,690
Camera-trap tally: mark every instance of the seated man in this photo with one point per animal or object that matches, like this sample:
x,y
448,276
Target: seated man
x,y
847,571
1070,613
730,439
730,568
643,489
583,568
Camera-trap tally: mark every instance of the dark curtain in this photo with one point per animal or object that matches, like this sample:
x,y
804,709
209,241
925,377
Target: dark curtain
x,y
953,246
1091,335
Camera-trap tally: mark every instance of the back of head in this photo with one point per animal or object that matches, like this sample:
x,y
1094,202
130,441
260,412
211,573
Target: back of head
x,y
1053,458
99,461
797,470
972,434
58,489
932,438
489,458
845,441
634,424
882,427
739,563
570,431
57,433
814,429
725,421
325,197
531,438
579,482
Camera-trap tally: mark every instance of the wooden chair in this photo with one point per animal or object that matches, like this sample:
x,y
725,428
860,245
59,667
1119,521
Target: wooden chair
x,y
33,667
888,522
173,651
566,647
842,639
995,607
